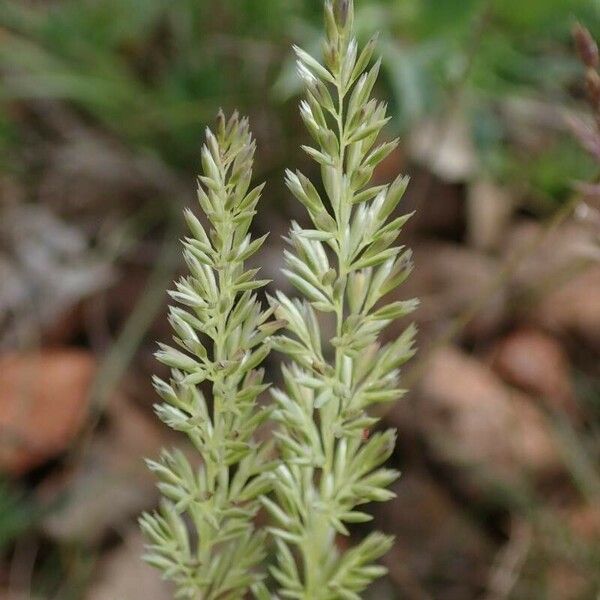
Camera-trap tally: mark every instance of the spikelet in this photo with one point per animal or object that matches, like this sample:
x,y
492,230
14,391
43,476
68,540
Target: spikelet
x,y
343,265
203,538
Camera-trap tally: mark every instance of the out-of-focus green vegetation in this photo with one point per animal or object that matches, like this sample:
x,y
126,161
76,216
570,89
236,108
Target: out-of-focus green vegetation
x,y
17,513
153,73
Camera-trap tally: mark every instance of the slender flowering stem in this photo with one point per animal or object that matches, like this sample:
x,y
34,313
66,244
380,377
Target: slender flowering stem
x,y
203,538
343,266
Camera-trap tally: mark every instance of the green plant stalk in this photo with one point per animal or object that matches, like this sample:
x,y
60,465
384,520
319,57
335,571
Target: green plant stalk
x,y
330,462
203,537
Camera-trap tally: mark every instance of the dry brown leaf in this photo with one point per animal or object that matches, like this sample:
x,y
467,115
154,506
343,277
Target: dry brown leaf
x,y
574,308
536,363
43,405
558,280
471,419
448,279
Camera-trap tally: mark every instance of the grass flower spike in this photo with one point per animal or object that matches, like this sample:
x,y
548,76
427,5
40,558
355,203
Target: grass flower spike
x,y
222,336
344,266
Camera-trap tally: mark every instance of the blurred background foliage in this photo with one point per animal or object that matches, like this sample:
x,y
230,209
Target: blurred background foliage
x,y
103,104
153,74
